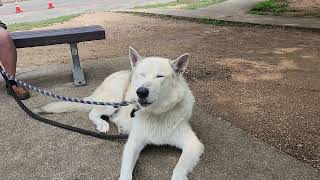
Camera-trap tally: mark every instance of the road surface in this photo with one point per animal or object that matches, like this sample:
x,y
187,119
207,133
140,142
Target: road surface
x,y
36,10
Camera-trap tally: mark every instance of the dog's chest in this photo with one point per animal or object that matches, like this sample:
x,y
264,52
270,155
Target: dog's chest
x,y
156,130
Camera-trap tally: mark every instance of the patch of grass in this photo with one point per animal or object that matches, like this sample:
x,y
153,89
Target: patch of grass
x,y
272,7
200,20
160,5
184,4
203,3
39,24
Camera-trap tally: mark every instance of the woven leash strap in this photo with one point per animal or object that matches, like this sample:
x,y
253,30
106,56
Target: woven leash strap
x,y
63,98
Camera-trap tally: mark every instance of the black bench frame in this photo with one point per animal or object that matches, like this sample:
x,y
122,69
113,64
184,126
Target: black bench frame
x,y
70,36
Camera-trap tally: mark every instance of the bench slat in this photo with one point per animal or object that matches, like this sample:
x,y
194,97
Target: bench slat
x,y
57,36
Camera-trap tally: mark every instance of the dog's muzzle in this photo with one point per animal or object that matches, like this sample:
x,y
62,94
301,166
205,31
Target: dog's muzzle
x,y
143,102
143,93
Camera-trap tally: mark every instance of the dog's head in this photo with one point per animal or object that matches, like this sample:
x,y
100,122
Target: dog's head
x,y
157,81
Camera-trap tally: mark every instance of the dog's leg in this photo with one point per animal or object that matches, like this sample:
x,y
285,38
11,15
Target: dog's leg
x,y
130,156
95,117
123,120
61,107
192,149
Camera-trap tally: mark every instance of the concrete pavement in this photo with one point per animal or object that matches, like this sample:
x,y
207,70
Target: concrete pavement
x,y
37,10
33,150
236,11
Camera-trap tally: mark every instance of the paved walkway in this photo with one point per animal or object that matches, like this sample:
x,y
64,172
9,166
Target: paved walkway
x,y
32,150
236,11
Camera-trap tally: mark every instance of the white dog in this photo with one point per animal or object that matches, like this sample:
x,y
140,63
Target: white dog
x,y
165,106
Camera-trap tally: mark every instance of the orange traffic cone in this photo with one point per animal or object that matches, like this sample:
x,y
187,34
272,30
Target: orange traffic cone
x,y
18,9
50,5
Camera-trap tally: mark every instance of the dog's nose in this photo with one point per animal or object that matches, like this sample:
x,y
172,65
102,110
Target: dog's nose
x,y
142,92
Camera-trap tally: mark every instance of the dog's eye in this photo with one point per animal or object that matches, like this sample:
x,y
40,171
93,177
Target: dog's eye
x,y
160,76
143,75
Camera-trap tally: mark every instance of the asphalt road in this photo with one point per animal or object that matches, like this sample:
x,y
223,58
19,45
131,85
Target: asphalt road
x,y
36,10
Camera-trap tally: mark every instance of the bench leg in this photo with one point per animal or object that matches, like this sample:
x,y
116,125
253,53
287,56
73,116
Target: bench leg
x,y
78,75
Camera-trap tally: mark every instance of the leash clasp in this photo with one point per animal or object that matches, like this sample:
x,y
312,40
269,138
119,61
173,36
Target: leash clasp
x,y
124,103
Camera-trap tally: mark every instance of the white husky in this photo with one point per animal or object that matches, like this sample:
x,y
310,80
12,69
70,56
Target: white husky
x,y
165,103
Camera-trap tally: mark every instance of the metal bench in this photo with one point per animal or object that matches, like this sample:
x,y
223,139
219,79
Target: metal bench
x,y
70,36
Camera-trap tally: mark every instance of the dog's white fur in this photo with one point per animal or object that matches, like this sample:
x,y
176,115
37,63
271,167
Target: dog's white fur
x,y
163,120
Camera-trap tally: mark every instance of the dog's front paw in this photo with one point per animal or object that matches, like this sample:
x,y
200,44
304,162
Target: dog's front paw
x,y
123,130
177,176
125,177
38,111
103,127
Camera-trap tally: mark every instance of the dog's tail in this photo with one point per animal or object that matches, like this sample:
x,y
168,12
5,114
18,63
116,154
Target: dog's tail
x,y
61,107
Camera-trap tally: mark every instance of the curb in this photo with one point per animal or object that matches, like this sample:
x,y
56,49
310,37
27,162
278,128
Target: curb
x,y
218,22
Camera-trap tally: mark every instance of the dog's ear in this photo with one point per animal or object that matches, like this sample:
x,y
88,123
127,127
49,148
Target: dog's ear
x,y
180,64
134,57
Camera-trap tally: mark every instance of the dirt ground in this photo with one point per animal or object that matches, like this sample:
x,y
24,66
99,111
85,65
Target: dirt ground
x,y
265,81
304,8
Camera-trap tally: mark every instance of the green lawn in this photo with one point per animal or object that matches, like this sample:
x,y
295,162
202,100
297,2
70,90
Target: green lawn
x,y
39,24
182,4
273,7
